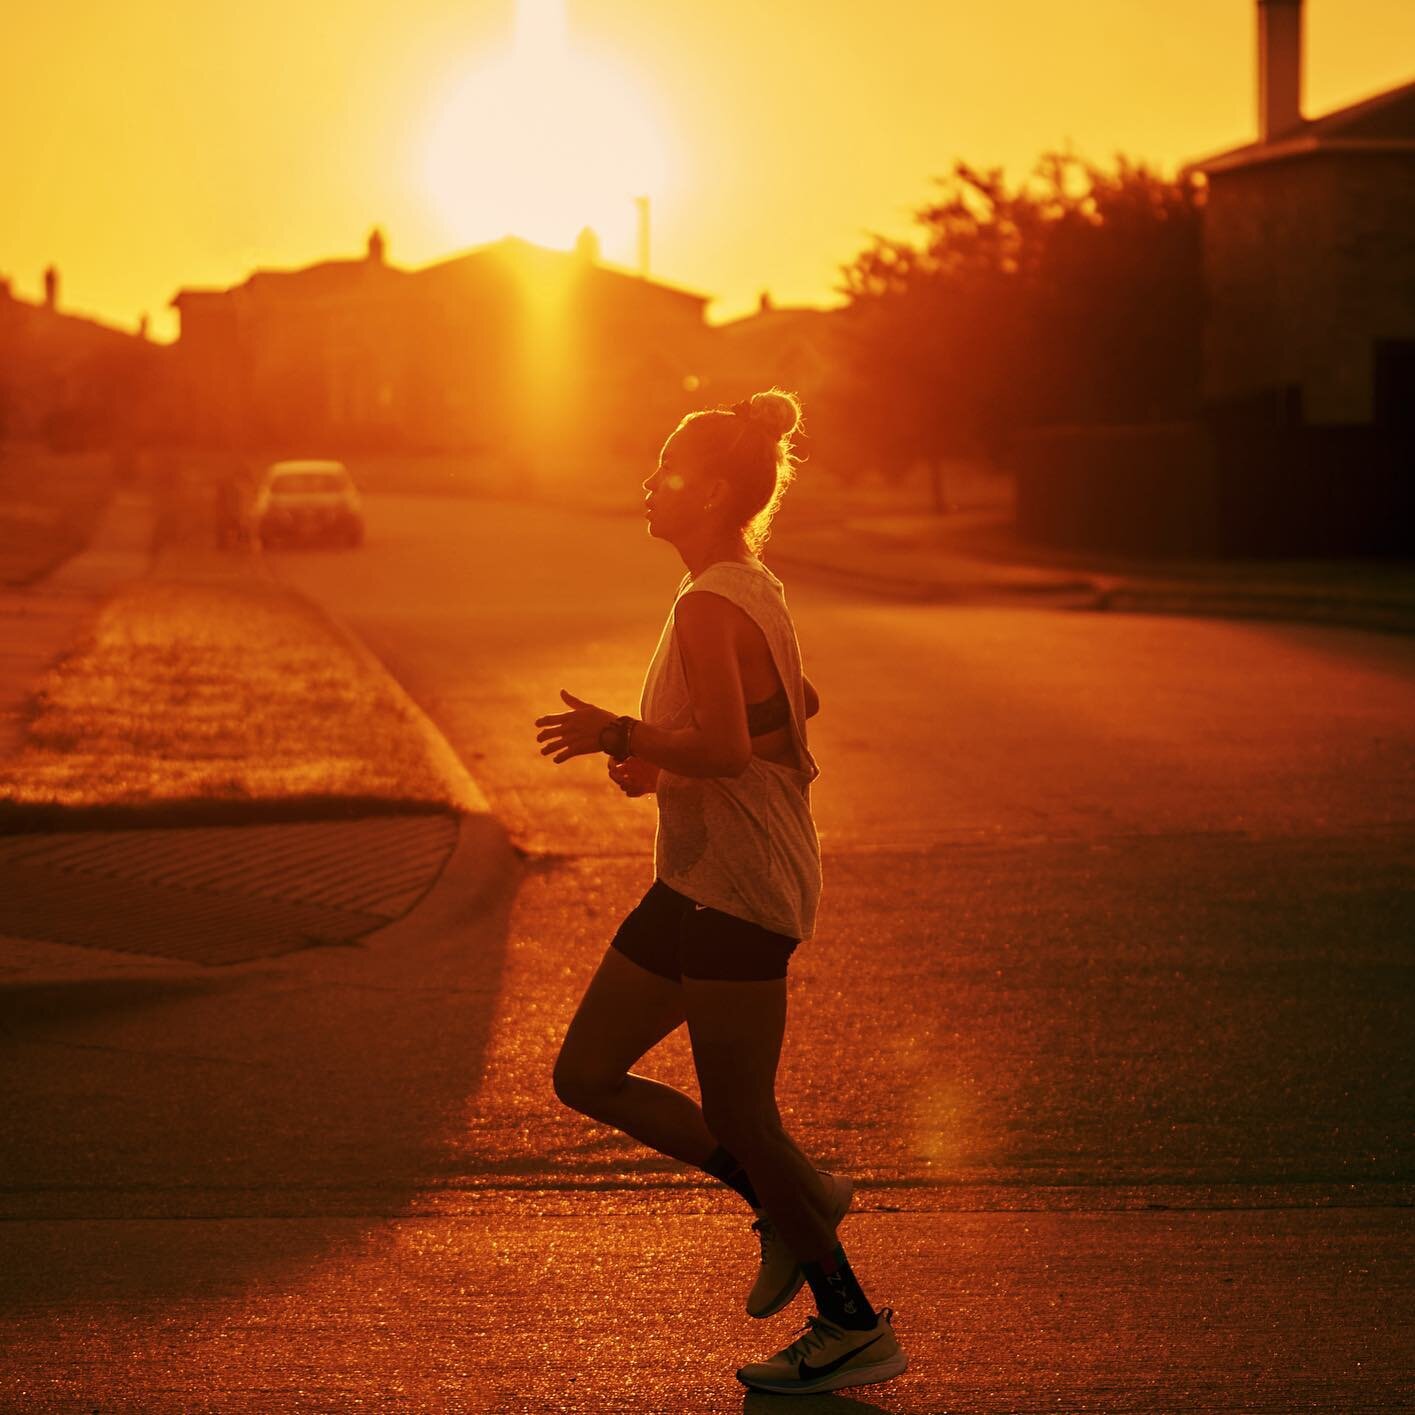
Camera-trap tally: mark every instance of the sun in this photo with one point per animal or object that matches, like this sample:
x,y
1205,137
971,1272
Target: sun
x,y
541,141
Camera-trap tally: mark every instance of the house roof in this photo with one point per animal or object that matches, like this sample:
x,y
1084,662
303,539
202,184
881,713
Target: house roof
x,y
327,277
526,253
324,278
1385,122
34,317
336,277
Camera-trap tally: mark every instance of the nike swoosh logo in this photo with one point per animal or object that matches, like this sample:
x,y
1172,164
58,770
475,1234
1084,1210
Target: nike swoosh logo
x,y
810,1373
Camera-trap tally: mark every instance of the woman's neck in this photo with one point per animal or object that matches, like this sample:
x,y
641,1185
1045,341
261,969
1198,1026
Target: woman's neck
x,y
697,557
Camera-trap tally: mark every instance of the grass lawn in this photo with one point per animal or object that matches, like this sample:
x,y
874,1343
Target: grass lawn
x,y
218,691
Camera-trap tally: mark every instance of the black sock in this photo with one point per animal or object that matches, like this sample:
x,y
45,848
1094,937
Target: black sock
x,y
838,1293
722,1166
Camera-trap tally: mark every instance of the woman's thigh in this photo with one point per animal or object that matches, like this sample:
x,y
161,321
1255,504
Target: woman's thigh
x,y
736,1030
625,1012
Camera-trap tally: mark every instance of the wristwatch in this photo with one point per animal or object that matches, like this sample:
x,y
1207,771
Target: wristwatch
x,y
614,737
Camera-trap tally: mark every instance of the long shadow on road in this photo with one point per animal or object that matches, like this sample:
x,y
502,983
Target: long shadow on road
x,y
331,1082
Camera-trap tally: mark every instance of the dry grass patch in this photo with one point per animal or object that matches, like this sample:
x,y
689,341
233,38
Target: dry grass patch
x,y
235,691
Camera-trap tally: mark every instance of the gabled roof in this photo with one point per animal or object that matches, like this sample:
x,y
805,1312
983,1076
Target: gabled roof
x,y
327,277
33,317
324,278
332,278
517,251
1383,122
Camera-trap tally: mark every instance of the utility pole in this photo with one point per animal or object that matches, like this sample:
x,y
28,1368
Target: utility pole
x,y
643,204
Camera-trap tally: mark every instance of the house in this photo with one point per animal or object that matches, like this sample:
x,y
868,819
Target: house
x,y
549,351
72,381
508,347
289,357
1305,445
1309,249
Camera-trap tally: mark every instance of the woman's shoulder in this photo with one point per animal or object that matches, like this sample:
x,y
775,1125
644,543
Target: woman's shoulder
x,y
733,572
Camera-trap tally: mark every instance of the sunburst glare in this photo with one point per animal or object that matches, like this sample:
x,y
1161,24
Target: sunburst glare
x,y
542,140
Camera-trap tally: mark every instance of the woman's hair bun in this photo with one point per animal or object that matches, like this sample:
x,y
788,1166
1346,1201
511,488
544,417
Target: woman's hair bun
x,y
778,411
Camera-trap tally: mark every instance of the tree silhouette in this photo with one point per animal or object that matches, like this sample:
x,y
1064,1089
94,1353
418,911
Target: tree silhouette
x,y
1075,297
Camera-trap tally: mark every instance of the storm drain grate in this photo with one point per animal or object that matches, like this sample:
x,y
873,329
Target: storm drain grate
x,y
220,894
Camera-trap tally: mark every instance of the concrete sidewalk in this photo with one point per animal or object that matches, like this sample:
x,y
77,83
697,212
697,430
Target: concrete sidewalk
x,y
976,557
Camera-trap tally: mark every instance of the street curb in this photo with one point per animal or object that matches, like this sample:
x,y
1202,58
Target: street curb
x,y
1065,592
463,797
1375,617
466,797
26,819
484,865
484,855
1115,594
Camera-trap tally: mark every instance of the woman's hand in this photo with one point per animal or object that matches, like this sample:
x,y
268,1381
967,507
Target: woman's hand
x,y
634,776
574,733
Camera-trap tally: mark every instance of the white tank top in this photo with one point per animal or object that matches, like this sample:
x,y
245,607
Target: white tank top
x,y
743,844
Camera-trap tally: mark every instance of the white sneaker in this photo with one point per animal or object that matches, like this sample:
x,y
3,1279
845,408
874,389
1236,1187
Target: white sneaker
x,y
780,1277
828,1357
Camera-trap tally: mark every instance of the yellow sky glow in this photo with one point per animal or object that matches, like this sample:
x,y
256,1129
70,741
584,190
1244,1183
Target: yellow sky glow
x,y
159,144
541,141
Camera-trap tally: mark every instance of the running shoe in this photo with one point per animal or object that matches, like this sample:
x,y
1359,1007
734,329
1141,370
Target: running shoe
x,y
780,1277
827,1357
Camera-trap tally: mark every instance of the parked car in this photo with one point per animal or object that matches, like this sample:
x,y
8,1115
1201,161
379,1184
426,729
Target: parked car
x,y
298,503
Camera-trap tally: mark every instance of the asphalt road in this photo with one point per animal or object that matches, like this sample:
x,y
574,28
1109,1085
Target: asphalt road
x,y
1110,901
1107,1013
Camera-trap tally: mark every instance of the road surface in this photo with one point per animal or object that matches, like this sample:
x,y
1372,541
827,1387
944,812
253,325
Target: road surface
x,y
1107,1013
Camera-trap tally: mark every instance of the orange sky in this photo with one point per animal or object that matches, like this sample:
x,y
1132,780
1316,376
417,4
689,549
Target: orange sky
x,y
156,144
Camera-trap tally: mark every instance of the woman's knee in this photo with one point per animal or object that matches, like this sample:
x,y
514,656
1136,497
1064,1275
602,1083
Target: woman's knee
x,y
581,1087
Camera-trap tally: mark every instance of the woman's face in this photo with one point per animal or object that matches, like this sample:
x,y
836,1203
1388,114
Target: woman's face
x,y
678,492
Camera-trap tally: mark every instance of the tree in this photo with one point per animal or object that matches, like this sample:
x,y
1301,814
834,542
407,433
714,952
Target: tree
x,y
1073,298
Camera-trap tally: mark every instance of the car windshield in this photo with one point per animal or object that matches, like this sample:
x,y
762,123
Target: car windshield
x,y
302,483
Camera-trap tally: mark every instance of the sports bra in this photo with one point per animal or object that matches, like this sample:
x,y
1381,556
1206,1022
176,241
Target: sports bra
x,y
769,714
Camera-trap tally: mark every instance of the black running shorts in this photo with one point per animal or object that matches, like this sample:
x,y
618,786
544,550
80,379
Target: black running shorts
x,y
669,934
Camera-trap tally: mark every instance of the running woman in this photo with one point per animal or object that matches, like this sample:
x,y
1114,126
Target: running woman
x,y
721,739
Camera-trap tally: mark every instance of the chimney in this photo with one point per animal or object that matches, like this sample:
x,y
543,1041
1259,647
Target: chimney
x,y
51,288
1279,68
643,204
587,245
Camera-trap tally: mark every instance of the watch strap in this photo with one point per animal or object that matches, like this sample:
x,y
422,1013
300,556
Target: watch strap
x,y
614,738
